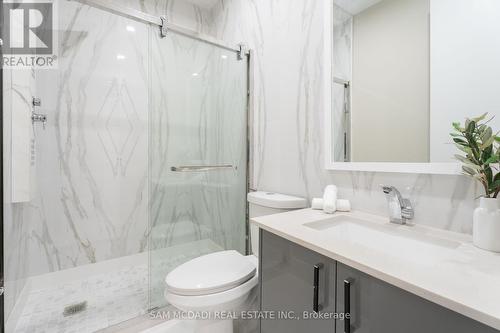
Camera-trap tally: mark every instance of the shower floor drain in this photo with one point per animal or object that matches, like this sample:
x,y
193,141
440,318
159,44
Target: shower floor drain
x,y
74,308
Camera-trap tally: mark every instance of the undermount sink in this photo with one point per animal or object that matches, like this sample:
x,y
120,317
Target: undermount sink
x,y
391,239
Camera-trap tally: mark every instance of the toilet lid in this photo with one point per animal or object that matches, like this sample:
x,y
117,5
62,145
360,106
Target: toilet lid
x,y
211,273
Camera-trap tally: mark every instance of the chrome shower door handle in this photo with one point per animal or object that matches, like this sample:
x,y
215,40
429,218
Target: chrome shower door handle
x,y
202,168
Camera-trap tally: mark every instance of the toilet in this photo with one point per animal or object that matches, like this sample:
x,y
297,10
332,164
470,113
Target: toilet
x,y
222,281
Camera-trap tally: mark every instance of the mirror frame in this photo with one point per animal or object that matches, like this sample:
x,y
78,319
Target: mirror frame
x,y
450,168
418,168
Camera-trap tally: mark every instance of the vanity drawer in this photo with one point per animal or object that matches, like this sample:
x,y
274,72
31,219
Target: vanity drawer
x,y
295,280
378,307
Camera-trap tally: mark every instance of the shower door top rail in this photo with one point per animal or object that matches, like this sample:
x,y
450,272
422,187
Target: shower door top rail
x,y
200,168
164,25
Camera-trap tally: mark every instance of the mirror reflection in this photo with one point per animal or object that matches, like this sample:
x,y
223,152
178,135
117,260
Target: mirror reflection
x,y
404,70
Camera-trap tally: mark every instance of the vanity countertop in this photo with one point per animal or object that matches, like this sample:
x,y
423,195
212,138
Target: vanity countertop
x,y
457,276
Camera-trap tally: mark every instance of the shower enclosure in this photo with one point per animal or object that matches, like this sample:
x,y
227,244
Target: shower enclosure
x,y
141,165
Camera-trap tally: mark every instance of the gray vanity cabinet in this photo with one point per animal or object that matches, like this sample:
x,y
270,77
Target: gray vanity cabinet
x,y
294,280
377,307
288,273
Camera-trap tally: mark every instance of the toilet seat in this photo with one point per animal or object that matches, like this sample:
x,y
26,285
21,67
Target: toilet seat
x,y
210,274
224,301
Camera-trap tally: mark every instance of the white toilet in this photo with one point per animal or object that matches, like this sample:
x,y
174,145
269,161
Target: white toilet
x,y
222,281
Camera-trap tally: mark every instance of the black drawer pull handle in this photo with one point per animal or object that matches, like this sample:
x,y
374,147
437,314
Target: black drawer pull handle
x,y
347,305
316,305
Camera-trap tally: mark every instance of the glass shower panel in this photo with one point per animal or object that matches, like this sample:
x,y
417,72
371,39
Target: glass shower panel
x,y
76,195
198,118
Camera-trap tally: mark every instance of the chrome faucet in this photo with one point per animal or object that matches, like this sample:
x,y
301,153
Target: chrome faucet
x,y
400,209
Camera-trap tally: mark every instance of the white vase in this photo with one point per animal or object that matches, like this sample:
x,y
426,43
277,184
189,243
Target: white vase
x,y
486,225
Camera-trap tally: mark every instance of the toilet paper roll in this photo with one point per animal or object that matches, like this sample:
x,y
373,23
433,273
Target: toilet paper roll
x,y
330,199
317,203
343,205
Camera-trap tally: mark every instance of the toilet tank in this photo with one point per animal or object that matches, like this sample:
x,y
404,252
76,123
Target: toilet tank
x,y
268,203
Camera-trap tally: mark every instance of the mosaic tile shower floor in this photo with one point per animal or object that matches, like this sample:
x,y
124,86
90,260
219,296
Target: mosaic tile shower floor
x,y
112,298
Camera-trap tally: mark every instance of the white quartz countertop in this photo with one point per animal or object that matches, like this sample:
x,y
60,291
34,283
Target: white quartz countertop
x,y
462,278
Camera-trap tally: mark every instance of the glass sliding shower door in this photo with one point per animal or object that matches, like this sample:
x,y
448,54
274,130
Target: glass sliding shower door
x,y
198,154
140,165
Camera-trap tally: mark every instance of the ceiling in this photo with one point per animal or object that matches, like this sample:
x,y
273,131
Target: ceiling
x,y
355,7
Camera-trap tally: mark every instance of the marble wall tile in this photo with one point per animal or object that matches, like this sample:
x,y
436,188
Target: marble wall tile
x,y
93,154
342,43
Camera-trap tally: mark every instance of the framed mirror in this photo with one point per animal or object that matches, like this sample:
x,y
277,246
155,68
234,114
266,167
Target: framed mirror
x,y
402,72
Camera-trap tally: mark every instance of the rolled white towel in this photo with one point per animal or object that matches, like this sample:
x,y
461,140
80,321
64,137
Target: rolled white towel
x,y
330,199
317,203
343,205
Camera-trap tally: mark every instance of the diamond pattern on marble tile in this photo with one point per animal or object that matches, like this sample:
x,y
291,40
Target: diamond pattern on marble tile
x,y
122,126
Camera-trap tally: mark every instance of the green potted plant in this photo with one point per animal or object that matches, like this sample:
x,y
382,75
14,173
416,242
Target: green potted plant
x,y
480,157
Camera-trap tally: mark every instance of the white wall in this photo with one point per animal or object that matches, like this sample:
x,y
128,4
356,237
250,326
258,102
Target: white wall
x,y
390,84
465,67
